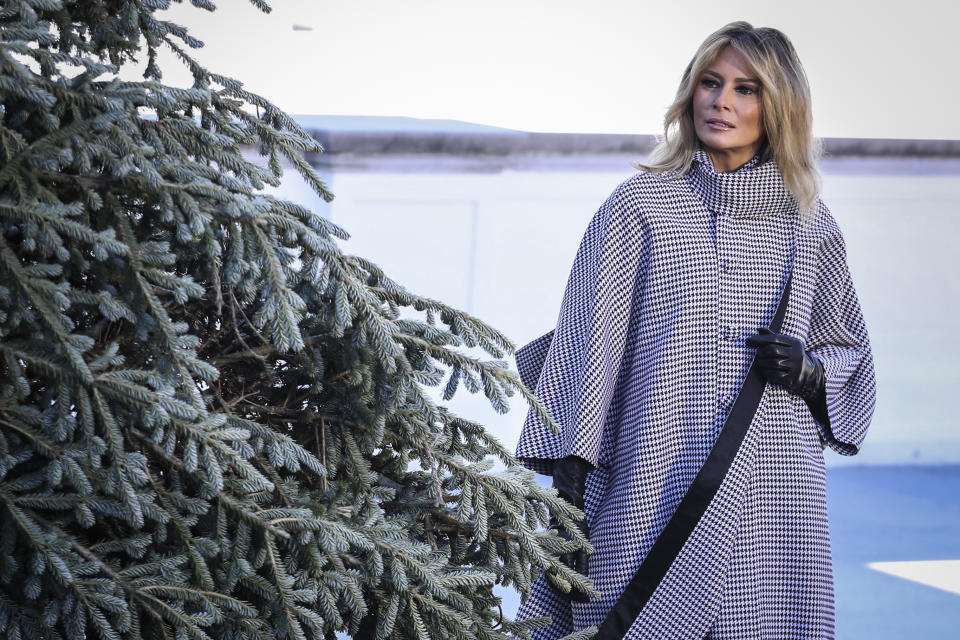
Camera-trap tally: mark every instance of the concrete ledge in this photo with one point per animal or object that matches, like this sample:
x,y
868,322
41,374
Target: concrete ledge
x,y
891,147
344,144
480,144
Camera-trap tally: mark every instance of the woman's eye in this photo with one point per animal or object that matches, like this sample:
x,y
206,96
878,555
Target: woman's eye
x,y
747,91
708,83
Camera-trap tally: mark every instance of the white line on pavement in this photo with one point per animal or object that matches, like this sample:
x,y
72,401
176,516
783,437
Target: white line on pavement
x,y
939,574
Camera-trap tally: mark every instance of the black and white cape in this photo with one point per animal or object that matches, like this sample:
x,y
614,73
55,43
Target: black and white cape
x,y
645,362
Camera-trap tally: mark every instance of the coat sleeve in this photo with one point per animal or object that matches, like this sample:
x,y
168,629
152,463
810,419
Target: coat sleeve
x,y
838,338
575,366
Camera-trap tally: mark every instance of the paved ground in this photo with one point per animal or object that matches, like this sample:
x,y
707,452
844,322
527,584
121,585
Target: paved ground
x,y
908,515
895,514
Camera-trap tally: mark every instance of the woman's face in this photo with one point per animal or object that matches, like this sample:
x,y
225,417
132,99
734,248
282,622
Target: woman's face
x,y
727,111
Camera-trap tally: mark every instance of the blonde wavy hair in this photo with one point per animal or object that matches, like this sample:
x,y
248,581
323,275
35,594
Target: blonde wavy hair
x,y
785,107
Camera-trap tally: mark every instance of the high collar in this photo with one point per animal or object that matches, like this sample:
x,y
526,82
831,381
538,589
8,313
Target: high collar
x,y
754,189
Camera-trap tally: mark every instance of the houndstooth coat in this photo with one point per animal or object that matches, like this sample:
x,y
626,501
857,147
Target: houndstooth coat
x,y
645,361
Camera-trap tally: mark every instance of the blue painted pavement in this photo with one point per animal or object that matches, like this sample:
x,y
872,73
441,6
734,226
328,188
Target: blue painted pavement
x,y
884,514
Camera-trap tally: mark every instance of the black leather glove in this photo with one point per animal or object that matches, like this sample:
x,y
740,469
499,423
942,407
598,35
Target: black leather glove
x,y
570,479
784,361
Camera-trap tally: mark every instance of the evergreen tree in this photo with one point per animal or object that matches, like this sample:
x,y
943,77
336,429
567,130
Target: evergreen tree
x,y
213,421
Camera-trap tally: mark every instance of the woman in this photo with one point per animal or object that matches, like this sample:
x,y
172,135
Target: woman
x,y
709,346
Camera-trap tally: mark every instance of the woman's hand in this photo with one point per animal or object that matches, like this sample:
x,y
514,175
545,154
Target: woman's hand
x,y
784,361
569,479
576,560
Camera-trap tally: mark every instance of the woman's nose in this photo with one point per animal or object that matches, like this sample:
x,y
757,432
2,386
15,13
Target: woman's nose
x,y
721,99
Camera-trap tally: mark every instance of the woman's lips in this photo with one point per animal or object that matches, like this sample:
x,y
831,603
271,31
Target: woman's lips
x,y
720,125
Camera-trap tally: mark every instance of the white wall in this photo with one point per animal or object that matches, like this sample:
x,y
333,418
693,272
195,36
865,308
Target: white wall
x,y
500,245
